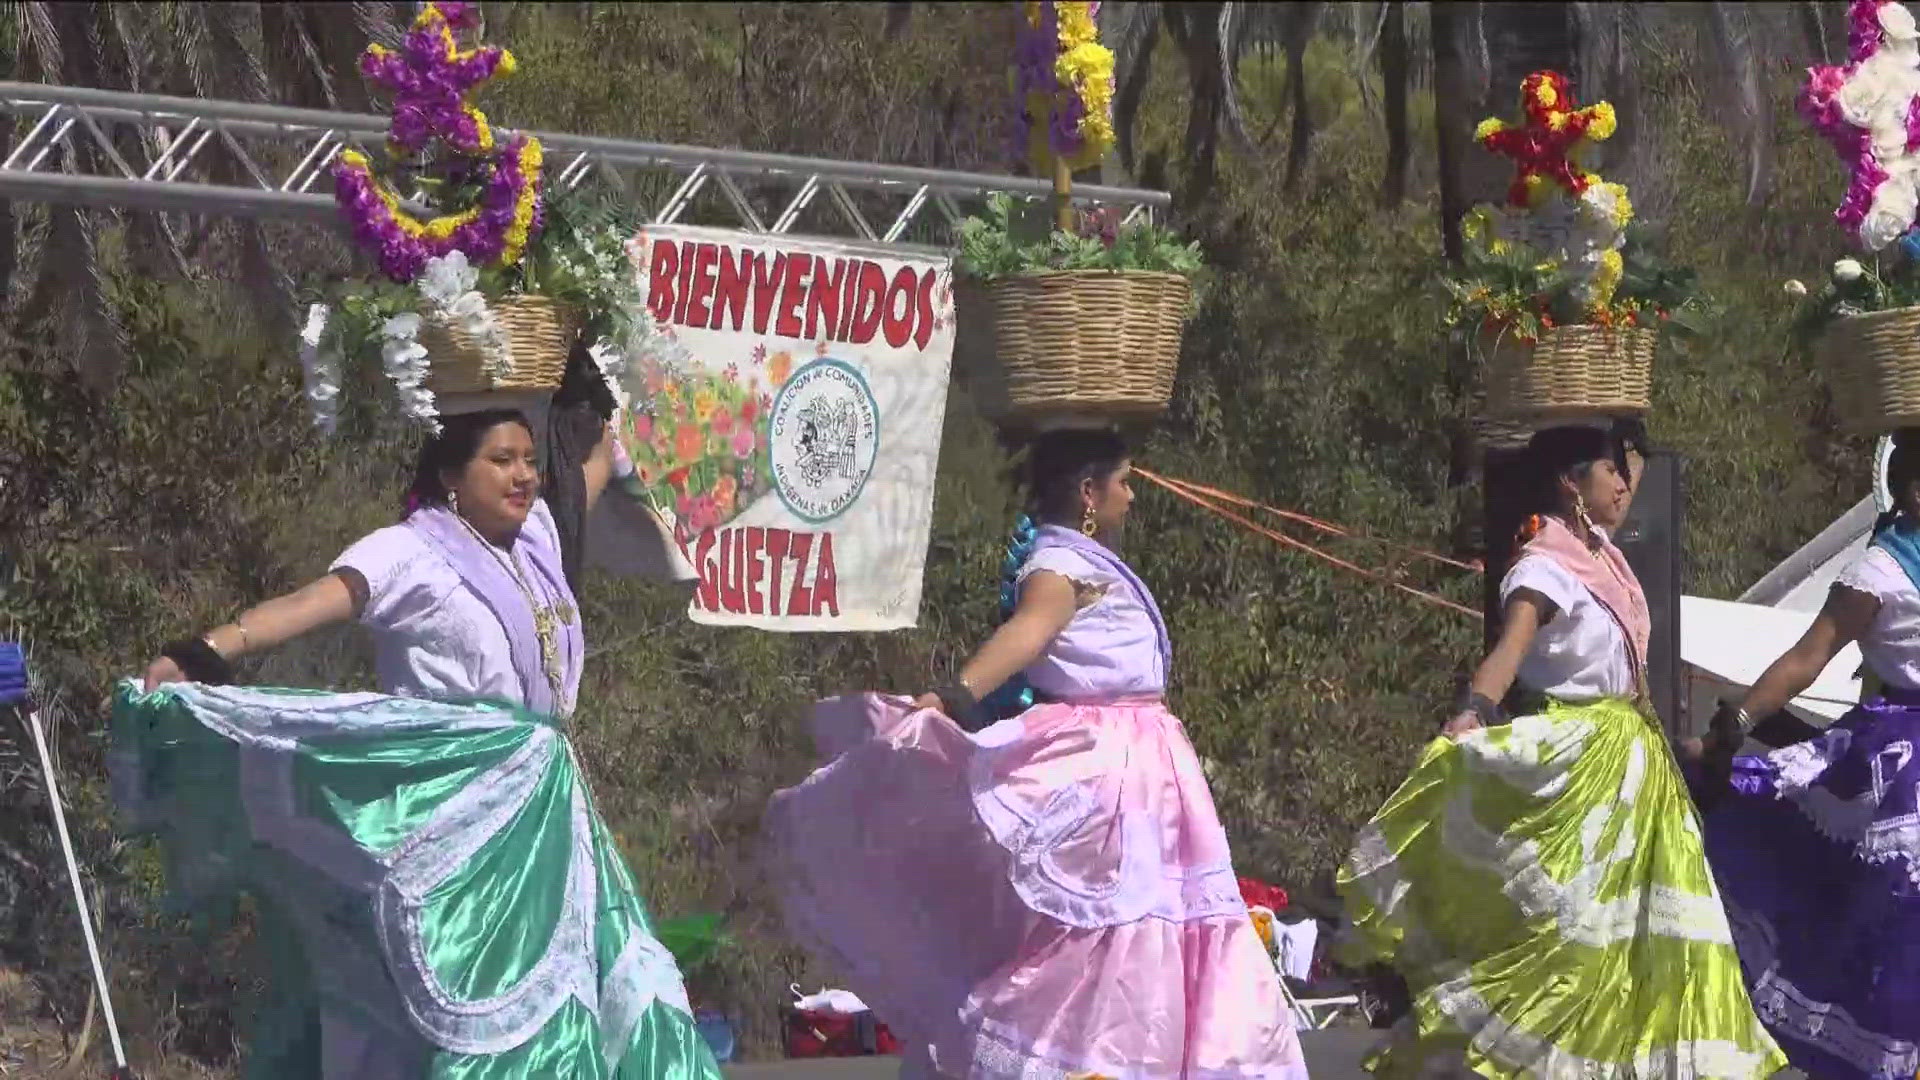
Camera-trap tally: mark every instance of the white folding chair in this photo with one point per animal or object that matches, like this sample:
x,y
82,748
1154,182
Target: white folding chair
x,y
1296,942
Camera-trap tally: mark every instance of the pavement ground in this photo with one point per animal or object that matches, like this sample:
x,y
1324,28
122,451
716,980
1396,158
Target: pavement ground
x,y
1331,1055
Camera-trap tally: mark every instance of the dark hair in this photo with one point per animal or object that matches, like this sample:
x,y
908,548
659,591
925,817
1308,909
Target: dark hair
x,y
1057,464
1903,468
1561,452
451,451
1060,461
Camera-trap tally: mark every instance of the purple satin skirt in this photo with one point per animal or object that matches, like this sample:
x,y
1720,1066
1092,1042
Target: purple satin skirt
x,y
1817,855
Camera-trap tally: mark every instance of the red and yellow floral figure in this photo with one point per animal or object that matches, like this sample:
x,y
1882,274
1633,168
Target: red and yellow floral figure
x,y
1545,145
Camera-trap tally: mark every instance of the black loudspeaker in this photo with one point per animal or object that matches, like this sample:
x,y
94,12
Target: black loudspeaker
x,y
1654,540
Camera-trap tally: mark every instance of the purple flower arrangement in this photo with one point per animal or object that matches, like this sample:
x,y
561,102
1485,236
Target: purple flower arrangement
x,y
432,79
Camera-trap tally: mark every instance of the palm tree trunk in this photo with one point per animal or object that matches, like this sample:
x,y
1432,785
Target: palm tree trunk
x,y
1198,34
1300,139
1393,74
1452,118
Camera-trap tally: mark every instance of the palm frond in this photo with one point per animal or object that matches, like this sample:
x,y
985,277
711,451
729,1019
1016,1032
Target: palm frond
x,y
133,40
1238,29
378,21
1731,29
234,30
294,64
71,299
1131,28
41,55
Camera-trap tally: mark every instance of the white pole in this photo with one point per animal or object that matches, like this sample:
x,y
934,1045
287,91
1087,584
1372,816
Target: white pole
x,y
79,893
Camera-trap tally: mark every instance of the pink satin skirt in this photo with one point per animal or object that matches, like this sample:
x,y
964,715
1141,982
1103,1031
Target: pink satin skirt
x,y
1050,896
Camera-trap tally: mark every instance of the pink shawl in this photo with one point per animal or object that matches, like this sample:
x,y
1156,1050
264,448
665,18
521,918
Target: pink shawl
x,y
1604,571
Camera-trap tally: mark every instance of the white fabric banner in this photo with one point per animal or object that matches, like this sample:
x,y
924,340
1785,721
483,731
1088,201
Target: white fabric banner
x,y
792,443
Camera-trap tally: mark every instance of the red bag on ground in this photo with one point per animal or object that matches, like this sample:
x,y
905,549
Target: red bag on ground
x,y
1260,894
810,1031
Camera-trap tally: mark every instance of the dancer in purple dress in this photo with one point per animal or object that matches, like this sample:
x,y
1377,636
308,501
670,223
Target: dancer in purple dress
x,y
1817,845
1051,896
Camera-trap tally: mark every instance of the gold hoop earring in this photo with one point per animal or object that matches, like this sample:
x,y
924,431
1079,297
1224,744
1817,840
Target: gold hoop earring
x,y
1580,512
1088,526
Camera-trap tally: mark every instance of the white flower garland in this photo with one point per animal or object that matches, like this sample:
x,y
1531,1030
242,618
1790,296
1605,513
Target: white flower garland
x,y
320,367
405,360
637,344
447,285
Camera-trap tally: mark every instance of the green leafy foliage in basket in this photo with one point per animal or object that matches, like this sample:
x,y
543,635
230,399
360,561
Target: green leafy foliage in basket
x,y
1017,237
1510,287
1854,287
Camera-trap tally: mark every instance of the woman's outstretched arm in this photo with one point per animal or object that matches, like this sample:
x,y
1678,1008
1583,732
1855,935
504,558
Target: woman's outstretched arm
x,y
332,599
1843,618
1526,612
1047,604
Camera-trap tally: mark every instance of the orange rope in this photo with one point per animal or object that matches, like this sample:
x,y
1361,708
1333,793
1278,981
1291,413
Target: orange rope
x,y
1312,522
1204,498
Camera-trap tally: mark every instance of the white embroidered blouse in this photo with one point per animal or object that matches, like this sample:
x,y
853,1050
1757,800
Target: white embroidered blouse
x,y
1891,645
434,637
1580,654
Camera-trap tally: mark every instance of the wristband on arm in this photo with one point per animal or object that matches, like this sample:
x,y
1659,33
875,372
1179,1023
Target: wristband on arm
x,y
1729,728
959,703
199,662
1485,708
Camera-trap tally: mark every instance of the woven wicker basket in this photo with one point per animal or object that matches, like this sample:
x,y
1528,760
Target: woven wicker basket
x,y
541,332
1573,371
1873,364
1093,343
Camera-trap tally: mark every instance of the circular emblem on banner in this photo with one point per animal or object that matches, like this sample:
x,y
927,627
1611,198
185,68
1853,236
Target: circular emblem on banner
x,y
822,437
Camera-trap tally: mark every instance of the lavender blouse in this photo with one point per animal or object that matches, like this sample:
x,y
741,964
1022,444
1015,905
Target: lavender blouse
x,y
433,635
1110,649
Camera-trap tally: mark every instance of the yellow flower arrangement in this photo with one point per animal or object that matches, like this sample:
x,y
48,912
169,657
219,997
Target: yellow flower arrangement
x,y
531,159
1071,74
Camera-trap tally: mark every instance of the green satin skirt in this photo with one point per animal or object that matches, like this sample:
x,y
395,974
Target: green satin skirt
x,y
437,893
1543,888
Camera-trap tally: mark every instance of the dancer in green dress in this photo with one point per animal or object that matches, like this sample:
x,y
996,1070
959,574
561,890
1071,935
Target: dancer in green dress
x,y
1540,881
441,898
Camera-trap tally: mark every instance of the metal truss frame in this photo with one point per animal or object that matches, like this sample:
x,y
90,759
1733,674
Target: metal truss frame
x,y
113,149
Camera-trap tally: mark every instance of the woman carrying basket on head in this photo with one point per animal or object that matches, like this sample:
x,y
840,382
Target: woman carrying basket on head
x,y
1817,844
1052,895
1540,881
440,895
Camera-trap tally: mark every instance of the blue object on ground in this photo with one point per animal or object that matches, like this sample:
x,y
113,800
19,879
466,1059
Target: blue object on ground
x,y
13,674
715,1028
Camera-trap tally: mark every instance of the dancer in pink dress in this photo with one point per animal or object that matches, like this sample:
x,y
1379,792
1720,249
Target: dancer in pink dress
x,y
1050,896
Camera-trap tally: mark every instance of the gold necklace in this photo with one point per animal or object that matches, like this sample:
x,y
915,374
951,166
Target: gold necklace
x,y
545,624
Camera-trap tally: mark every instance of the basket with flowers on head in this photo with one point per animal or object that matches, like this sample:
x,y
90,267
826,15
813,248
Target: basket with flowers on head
x,y
486,285
1864,322
1062,312
1558,290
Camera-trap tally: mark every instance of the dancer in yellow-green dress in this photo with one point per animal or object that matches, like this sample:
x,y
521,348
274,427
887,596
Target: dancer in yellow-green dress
x,y
1540,881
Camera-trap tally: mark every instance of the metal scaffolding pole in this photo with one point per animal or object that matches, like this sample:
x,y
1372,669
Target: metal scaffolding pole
x,y
154,152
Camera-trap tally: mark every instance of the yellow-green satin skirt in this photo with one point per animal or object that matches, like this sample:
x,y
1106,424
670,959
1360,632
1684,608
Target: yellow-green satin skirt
x,y
1543,888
